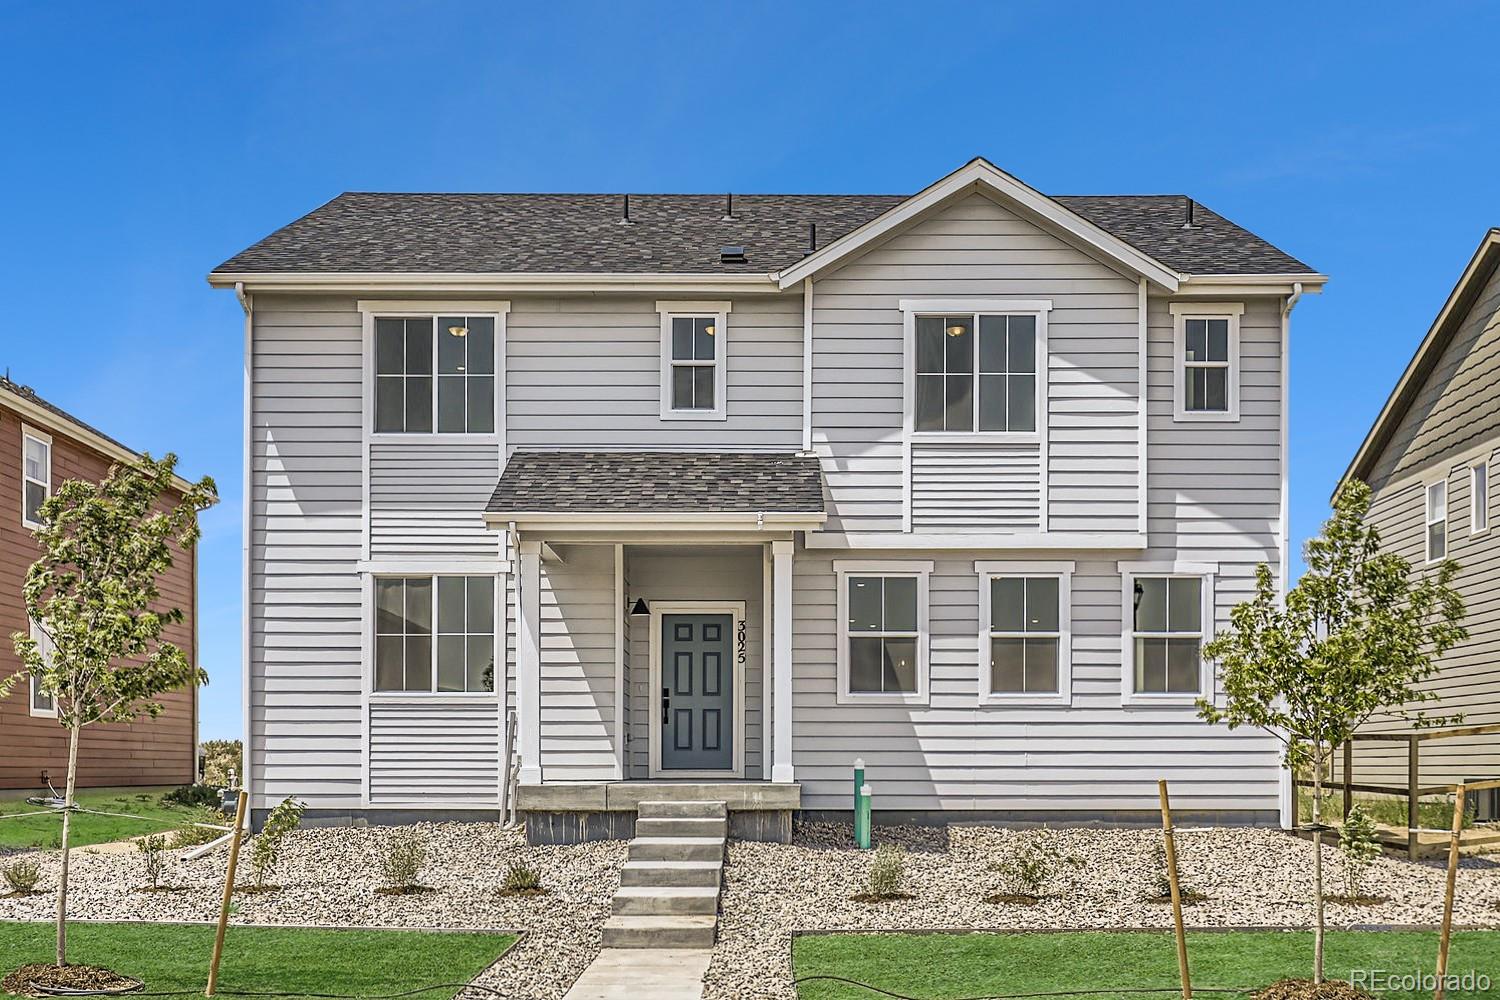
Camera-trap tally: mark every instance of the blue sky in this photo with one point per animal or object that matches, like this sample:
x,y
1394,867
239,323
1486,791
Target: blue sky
x,y
146,143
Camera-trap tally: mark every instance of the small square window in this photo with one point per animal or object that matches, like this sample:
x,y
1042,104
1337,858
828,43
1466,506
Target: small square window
x,y
693,375
435,634
1206,361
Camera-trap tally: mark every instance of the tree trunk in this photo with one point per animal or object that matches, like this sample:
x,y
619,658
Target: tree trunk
x,y
1317,819
62,879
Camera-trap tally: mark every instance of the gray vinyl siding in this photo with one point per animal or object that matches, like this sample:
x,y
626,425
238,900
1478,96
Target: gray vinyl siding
x,y
585,372
578,664
954,754
968,488
976,248
306,729
442,754
427,499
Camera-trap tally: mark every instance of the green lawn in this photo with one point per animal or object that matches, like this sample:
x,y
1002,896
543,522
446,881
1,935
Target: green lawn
x,y
938,966
46,831
266,959
1433,812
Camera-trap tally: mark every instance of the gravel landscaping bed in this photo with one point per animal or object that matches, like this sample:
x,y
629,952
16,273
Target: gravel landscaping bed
x,y
329,876
1251,878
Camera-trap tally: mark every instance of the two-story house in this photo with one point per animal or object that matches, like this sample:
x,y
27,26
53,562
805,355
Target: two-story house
x,y
733,490
41,446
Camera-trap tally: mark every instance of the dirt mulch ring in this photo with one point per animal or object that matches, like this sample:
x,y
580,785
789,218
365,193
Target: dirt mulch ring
x,y
404,890
29,980
536,890
23,893
1306,989
885,897
1014,898
1357,900
1189,897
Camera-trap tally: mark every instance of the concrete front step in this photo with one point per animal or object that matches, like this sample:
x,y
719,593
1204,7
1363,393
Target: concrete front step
x,y
676,900
677,849
659,931
690,808
682,826
672,873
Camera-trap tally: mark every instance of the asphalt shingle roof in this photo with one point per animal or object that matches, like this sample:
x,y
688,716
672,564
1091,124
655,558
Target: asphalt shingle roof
x,y
675,233
658,481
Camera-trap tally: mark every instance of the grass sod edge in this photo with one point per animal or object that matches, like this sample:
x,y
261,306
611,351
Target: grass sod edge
x,y
299,961
989,966
25,827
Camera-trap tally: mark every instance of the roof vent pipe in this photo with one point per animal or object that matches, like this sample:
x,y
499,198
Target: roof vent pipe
x,y
729,207
1187,213
625,214
812,237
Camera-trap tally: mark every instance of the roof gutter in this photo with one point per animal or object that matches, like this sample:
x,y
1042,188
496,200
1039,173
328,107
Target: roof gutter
x,y
489,283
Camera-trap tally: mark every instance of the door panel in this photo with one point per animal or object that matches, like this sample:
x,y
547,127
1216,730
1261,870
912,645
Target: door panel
x,y
697,693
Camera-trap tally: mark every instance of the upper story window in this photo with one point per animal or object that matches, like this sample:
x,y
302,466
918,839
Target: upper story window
x,y
1479,497
1025,629
1167,611
41,703
1437,521
435,374
1206,360
36,474
694,360
975,366
435,634
882,652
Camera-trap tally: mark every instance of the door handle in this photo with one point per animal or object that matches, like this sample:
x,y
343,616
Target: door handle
x,y
666,703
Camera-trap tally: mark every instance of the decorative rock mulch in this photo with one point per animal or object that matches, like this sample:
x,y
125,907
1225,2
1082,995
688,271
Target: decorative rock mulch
x,y
1250,878
330,876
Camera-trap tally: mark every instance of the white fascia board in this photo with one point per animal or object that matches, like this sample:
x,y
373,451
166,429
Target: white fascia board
x,y
1240,285
655,521
1121,541
976,174
506,282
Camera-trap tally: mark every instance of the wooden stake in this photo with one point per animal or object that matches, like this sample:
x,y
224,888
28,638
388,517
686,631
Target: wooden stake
x,y
1459,795
234,860
1166,828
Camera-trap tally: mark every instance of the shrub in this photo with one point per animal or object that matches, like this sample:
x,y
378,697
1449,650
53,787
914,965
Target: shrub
x,y
1360,846
154,850
222,765
1030,868
888,871
265,849
203,825
521,878
22,876
192,795
402,860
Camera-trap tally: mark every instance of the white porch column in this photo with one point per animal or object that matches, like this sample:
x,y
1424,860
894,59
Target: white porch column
x,y
529,663
781,660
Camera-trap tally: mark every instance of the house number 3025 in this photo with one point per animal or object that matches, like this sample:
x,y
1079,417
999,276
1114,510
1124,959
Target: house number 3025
x,y
739,643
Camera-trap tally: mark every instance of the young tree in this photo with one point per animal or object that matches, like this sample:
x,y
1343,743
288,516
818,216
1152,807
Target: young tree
x,y
94,596
1355,637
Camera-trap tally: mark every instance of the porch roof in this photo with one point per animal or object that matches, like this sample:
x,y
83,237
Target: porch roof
x,y
658,482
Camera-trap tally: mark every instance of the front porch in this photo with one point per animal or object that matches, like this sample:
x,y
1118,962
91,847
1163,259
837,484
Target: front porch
x,y
607,810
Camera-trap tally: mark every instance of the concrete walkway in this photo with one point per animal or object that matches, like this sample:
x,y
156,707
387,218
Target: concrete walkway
x,y
638,973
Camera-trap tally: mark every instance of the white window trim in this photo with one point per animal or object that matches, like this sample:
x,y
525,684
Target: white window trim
x,y
427,697
1206,572
1063,573
1428,520
918,570
43,641
912,308
719,312
41,437
1181,313
1479,508
398,309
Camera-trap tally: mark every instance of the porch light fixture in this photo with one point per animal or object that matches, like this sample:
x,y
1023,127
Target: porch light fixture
x,y
458,330
639,607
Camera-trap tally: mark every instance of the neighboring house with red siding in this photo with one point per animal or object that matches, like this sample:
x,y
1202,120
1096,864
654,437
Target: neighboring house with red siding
x,y
41,446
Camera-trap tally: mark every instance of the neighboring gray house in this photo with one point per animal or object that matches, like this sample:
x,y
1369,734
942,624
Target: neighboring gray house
x,y
733,491
1429,459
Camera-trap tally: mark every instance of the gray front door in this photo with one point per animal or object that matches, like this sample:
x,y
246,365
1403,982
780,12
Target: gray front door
x,y
697,693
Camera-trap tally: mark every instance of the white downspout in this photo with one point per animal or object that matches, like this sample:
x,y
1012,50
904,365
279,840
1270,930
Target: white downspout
x,y
807,364
247,470
1288,793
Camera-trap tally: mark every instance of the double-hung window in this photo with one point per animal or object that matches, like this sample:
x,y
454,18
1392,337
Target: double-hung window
x,y
1025,632
1437,521
1168,611
1206,360
435,374
694,360
40,702
978,369
435,634
36,474
1479,497
882,613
